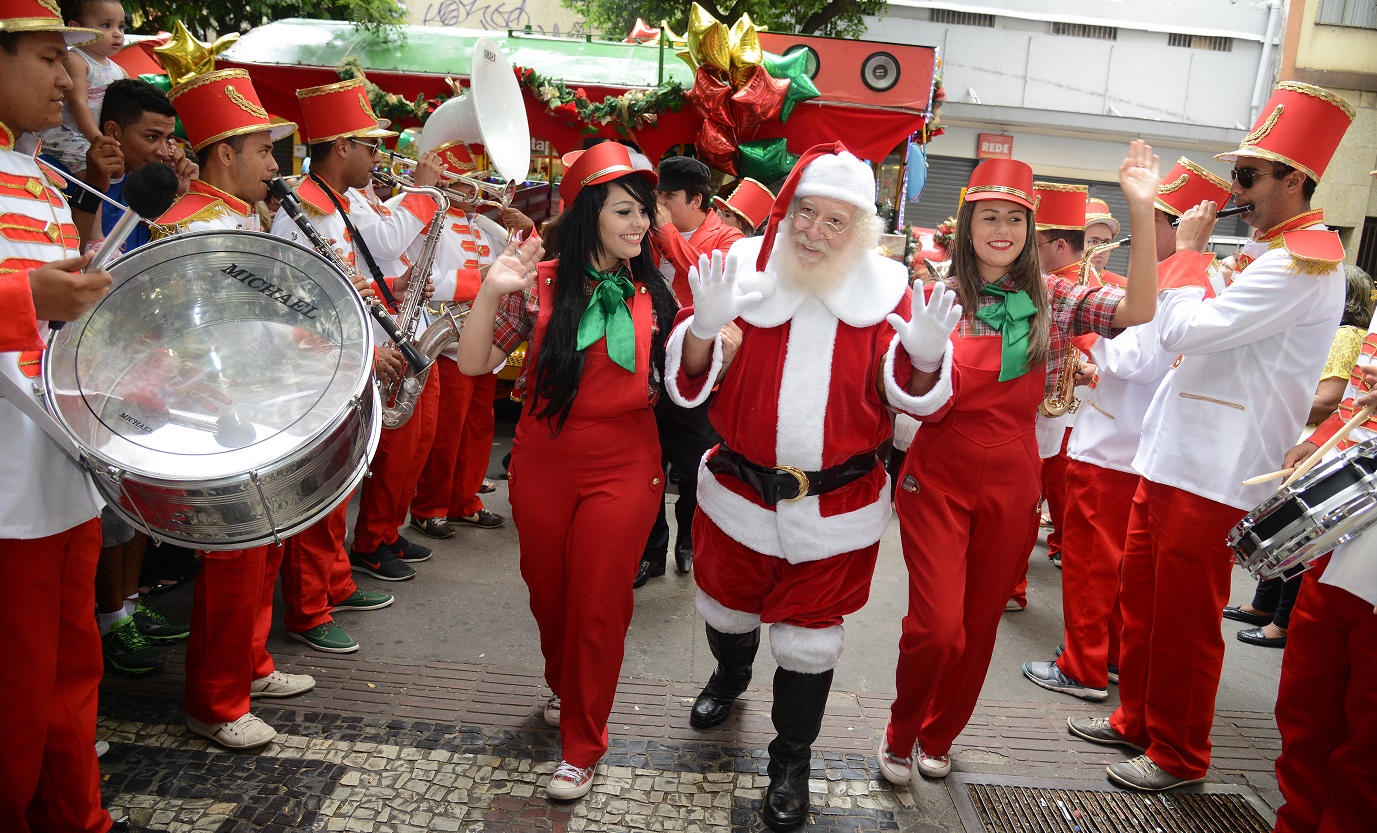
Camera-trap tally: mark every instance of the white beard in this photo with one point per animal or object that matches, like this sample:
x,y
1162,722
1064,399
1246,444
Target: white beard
x,y
826,275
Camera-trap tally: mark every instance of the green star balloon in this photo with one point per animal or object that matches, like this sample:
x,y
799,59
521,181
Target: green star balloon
x,y
794,68
766,160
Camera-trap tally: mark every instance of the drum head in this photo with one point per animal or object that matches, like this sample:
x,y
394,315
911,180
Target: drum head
x,y
215,354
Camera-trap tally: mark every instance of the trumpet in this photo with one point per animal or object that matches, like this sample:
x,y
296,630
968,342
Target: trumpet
x,y
399,172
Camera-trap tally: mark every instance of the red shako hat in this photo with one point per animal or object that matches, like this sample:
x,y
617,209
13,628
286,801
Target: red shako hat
x,y
1057,205
20,16
1187,185
341,109
222,104
456,158
1001,179
1300,126
601,163
1097,211
750,201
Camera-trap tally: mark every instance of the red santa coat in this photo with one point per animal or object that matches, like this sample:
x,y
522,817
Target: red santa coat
x,y
774,407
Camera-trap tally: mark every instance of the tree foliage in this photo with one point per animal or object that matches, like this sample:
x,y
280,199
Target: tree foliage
x,y
808,17
206,19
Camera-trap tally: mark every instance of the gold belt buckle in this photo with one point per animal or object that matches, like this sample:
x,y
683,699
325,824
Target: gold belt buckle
x,y
802,478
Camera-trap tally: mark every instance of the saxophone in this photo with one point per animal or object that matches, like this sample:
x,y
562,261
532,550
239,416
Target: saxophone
x,y
399,398
1063,399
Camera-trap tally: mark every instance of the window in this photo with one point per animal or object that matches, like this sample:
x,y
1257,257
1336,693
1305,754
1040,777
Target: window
x,y
1361,14
1208,42
1081,30
962,18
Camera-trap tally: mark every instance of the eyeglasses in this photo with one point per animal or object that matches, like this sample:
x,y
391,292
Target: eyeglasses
x,y
1247,176
372,146
827,229
1091,242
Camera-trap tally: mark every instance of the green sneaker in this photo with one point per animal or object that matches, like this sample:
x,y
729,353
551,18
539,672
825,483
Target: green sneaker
x,y
156,626
128,650
365,600
328,637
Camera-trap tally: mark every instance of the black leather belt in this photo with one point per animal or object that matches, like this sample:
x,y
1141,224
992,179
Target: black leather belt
x,y
786,483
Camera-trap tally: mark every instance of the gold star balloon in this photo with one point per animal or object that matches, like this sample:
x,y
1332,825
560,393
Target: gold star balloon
x,y
184,57
709,40
745,44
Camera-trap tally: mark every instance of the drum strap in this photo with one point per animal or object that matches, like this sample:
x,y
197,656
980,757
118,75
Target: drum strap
x,y
359,243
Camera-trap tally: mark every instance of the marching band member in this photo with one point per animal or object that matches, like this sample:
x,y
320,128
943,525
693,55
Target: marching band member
x,y
345,137
227,659
792,507
968,492
1236,401
747,207
1100,480
49,512
585,475
1100,228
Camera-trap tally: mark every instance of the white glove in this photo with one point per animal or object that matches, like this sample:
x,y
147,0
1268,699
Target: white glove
x,y
715,300
925,338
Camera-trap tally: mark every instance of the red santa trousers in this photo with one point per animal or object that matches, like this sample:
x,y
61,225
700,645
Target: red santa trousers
x,y
1327,713
1174,580
967,504
1098,502
231,614
463,445
316,574
49,779
395,469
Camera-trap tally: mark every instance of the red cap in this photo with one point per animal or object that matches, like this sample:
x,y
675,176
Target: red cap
x,y
1300,126
601,163
1187,185
750,201
20,16
221,104
1001,179
456,158
332,111
1097,211
1057,205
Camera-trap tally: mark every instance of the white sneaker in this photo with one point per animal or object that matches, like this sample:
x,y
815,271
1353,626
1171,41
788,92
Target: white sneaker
x,y
569,782
896,770
101,748
933,766
248,732
279,684
551,713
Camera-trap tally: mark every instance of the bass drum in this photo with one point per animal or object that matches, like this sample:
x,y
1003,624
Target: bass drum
x,y
221,394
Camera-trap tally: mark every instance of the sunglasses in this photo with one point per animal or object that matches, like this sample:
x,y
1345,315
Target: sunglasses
x,y
373,146
1247,176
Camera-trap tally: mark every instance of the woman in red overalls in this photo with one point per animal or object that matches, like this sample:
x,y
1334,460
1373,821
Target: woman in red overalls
x,y
585,473
968,493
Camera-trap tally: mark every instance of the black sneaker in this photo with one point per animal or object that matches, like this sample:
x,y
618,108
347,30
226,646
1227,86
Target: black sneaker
x,y
409,551
380,563
156,626
128,650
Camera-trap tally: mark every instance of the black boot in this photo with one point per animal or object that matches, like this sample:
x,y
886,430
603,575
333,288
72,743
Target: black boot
x,y
735,652
800,700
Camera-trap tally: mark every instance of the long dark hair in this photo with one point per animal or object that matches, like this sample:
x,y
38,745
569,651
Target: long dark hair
x,y
1026,272
559,366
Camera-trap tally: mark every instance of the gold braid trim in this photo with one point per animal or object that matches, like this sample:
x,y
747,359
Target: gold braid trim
x,y
1322,94
1178,184
214,211
1060,186
244,104
1266,127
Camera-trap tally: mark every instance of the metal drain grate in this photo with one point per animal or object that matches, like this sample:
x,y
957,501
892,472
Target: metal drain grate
x,y
1027,805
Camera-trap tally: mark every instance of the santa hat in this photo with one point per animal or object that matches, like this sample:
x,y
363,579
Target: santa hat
x,y
822,171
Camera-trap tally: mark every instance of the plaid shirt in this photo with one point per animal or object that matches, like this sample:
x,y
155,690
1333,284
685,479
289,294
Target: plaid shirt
x,y
1074,310
516,320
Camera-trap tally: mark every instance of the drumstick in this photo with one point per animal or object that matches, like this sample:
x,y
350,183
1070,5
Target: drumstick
x,y
1263,478
1358,419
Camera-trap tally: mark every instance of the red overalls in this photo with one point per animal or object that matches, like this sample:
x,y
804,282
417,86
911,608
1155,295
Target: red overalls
x,y
583,503
967,504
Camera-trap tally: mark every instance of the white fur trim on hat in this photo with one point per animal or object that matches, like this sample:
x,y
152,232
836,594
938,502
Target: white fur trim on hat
x,y
806,650
842,177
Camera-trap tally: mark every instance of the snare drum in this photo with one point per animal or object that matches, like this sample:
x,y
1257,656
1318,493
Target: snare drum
x,y
1331,504
221,394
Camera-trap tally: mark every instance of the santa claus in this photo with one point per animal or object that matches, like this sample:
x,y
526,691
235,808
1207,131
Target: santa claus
x,y
794,500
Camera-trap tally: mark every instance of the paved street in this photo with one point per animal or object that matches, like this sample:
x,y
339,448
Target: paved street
x,y
435,724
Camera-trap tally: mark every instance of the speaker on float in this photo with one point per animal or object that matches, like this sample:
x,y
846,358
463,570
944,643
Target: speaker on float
x,y
880,72
863,72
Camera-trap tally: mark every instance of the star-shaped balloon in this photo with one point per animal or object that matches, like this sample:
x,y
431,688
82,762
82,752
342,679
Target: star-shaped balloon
x,y
766,160
716,147
710,96
745,44
793,67
184,57
759,98
709,40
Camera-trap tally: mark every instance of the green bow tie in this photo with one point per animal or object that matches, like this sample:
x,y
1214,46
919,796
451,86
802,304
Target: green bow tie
x,y
1012,316
608,316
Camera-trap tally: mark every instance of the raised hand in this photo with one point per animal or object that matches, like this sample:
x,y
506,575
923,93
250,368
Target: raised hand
x,y
1140,174
715,300
514,270
926,335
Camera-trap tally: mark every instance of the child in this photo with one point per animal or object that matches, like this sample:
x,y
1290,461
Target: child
x,y
92,71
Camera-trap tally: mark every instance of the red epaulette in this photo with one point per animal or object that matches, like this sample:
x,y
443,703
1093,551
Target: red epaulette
x,y
1313,251
187,207
314,197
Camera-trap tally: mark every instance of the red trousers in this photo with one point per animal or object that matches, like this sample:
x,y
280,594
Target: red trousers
x,y
395,469
315,572
583,504
463,445
49,778
1327,713
966,534
1174,580
1054,490
231,614
1098,502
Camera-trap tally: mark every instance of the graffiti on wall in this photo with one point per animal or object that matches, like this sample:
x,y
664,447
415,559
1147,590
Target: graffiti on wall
x,y
545,17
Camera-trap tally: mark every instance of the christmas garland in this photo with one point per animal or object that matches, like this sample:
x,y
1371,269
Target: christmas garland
x,y
946,232
934,127
626,112
388,105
